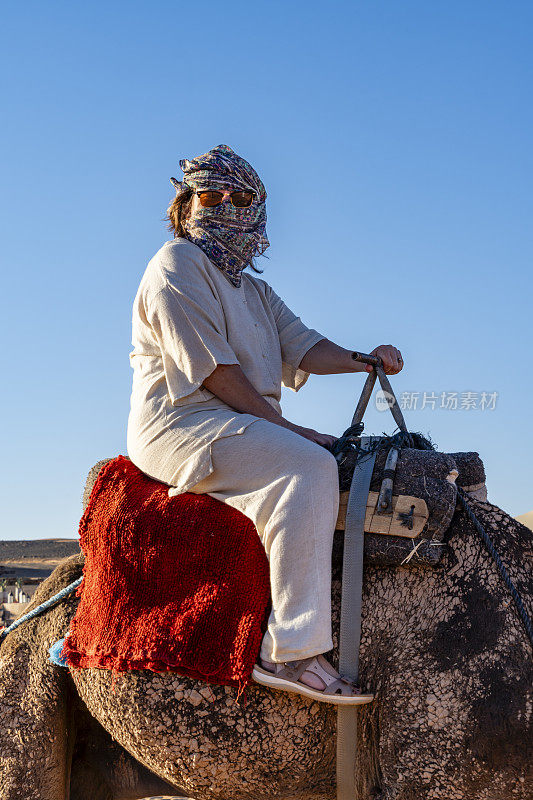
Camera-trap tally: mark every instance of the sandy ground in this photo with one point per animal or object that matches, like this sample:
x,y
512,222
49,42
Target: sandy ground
x,y
526,519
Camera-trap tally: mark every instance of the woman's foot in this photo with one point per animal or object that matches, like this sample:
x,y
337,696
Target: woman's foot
x,y
312,677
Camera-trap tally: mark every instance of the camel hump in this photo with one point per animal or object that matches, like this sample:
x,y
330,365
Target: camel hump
x,y
91,479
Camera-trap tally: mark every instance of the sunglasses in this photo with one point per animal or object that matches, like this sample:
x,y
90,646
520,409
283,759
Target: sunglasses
x,y
210,199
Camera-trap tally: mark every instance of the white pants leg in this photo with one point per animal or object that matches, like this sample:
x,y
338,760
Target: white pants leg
x,y
288,486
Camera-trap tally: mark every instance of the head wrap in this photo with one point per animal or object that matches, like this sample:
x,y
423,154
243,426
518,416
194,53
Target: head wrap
x,y
229,236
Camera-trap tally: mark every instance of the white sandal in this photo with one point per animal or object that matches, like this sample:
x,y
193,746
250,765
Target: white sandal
x,y
338,691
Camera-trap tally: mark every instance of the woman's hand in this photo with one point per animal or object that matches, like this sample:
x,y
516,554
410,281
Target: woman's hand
x,y
391,357
323,439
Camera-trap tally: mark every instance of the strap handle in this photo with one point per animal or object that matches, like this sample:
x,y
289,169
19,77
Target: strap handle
x,y
377,372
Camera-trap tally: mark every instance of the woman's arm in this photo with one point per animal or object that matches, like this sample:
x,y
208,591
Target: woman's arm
x,y
229,382
325,357
328,358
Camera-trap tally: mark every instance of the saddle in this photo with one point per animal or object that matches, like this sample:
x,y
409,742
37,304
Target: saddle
x,y
412,529
175,584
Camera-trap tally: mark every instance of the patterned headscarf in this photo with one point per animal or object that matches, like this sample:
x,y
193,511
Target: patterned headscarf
x,y
229,236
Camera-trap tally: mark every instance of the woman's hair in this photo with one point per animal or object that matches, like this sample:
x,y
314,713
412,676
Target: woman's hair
x,y
177,213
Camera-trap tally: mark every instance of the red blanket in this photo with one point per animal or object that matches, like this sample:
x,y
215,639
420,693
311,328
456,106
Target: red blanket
x,y
170,583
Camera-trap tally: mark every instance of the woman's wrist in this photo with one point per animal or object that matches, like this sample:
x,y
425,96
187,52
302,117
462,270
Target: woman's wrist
x,y
356,366
282,422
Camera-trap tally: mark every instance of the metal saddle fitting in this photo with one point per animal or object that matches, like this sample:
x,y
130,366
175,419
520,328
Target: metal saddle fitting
x,y
384,504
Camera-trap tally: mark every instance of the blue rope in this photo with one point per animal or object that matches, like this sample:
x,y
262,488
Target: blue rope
x,y
52,601
526,619
55,654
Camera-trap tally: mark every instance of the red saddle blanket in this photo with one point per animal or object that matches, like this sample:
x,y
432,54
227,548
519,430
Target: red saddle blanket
x,y
170,583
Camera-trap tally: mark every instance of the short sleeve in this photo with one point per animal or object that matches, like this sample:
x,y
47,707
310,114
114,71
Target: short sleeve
x,y
188,322
295,340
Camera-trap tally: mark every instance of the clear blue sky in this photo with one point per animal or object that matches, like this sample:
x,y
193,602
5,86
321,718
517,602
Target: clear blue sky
x,y
395,142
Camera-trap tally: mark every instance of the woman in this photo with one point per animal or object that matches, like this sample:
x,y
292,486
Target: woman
x,y
212,346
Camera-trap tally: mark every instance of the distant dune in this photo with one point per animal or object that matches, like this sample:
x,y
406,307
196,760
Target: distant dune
x,y
38,549
526,519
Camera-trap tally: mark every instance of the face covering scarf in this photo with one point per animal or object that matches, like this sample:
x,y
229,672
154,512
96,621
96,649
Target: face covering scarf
x,y
229,236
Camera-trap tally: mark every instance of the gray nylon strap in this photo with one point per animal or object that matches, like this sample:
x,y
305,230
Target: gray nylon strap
x,y
350,628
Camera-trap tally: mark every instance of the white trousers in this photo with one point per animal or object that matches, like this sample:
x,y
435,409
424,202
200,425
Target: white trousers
x,y
288,486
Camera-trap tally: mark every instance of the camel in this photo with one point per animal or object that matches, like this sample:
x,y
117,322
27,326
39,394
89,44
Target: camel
x,y
442,648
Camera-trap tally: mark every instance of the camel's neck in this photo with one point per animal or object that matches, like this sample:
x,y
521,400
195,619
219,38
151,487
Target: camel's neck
x,y
429,608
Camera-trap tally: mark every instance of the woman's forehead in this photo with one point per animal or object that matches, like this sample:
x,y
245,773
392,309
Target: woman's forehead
x,y
221,183
226,187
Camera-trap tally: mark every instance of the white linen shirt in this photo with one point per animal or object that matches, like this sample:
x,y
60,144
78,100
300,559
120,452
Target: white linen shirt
x,y
188,318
